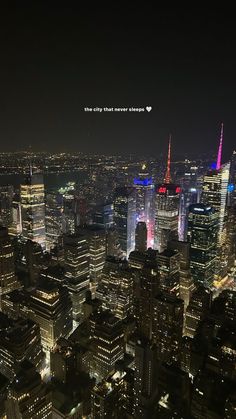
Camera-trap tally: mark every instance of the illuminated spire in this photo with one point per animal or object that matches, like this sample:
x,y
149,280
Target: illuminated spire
x,y
167,178
218,163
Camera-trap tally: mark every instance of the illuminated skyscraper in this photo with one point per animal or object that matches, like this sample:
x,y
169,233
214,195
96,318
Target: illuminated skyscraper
x,y
124,218
115,289
167,328
145,208
108,342
167,215
77,271
215,191
6,197
33,209
167,210
49,305
202,235
53,218
8,280
28,396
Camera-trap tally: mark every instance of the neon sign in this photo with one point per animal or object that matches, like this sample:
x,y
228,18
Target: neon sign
x,y
143,182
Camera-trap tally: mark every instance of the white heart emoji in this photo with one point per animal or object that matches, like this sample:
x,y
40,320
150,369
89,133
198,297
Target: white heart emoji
x,y
148,108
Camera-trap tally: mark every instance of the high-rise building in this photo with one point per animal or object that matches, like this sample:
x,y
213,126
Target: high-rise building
x,y
6,198
167,210
49,305
141,237
115,289
198,308
168,263
108,343
167,215
167,328
28,396
145,379
8,280
186,283
19,340
125,218
15,229
202,235
53,218
215,192
76,250
96,238
33,209
145,209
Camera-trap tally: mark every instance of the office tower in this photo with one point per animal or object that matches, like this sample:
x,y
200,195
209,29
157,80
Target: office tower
x,y
103,216
168,263
215,193
167,328
8,280
28,396
63,361
19,340
15,229
167,210
210,394
174,386
202,235
96,238
186,283
69,219
49,305
115,289
77,271
141,237
188,197
197,310
145,209
106,396
145,379
6,198
108,344
145,288
33,209
53,218
125,218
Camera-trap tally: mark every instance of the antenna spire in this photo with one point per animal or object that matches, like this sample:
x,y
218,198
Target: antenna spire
x,y
167,178
219,156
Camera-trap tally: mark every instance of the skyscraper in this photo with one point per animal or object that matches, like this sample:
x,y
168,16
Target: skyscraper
x,y
167,210
167,329
124,218
202,235
77,271
33,209
145,209
53,218
8,280
115,289
167,215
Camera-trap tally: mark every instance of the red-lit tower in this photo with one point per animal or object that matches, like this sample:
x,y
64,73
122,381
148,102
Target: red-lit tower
x,y
167,209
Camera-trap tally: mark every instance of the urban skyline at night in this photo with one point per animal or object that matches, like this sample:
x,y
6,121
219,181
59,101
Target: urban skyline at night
x,y
117,212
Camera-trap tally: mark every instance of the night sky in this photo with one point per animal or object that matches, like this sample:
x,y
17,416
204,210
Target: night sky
x,y
56,61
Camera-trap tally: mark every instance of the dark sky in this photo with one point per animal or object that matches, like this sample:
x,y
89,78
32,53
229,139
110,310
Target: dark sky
x,y
55,61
